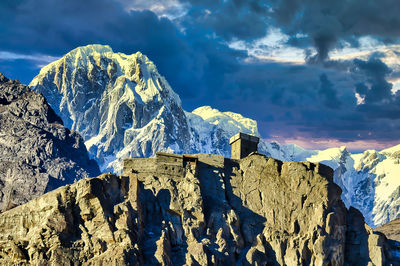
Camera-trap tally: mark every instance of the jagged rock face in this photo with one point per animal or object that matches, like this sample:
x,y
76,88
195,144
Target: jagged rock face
x,y
37,153
90,221
256,211
391,230
119,104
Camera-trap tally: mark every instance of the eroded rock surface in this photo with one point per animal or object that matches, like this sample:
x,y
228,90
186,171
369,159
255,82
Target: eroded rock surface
x,y
86,222
37,153
391,230
194,210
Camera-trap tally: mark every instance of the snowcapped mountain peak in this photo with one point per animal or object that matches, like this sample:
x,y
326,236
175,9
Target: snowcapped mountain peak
x,y
90,49
329,154
114,100
333,157
376,184
288,152
136,69
395,150
231,122
77,53
211,129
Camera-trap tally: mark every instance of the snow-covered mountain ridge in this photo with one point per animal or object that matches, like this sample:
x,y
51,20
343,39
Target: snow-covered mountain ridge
x,y
119,103
123,108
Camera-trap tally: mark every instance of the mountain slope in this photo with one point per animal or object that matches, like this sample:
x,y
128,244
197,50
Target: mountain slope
x,y
37,153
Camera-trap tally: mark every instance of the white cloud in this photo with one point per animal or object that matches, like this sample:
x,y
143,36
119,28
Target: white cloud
x,y
272,47
41,60
171,9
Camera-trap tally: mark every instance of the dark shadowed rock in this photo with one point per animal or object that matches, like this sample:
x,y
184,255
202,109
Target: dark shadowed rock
x,y
37,153
392,231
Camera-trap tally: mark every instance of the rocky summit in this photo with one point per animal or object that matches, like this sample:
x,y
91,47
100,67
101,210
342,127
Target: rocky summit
x,y
194,210
37,153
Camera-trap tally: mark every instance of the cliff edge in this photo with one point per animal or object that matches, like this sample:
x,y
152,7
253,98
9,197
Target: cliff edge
x,y
194,210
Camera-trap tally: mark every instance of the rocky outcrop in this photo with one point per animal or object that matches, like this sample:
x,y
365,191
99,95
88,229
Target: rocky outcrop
x,y
391,229
85,222
176,210
37,153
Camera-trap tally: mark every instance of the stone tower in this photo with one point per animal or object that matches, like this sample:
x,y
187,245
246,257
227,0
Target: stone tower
x,y
242,145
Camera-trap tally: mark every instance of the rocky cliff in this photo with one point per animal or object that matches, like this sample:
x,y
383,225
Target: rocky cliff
x,y
176,210
391,230
37,153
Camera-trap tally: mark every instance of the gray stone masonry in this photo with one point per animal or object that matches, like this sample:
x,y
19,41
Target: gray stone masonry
x,y
242,145
168,164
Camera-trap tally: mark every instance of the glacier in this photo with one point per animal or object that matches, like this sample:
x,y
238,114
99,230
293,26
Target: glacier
x,y
124,108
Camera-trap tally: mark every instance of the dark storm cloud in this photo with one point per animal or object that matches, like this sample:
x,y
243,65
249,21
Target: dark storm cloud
x,y
379,90
328,92
314,100
379,100
326,22
230,19
312,22
293,96
56,27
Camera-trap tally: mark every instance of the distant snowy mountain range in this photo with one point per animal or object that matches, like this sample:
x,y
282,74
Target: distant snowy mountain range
x,y
124,108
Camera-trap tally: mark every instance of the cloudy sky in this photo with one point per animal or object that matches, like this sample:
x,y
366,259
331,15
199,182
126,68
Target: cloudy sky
x,y
318,73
